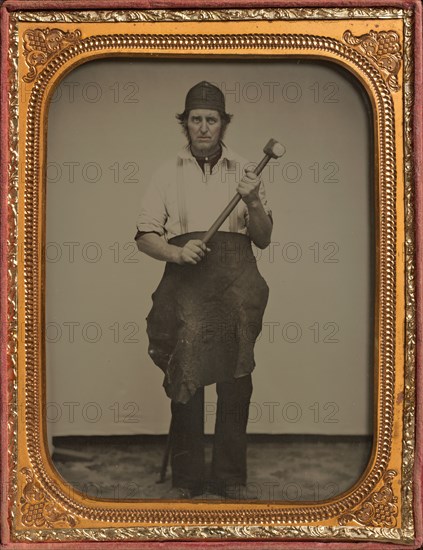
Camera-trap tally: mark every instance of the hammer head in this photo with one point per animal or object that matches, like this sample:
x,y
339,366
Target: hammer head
x,y
274,149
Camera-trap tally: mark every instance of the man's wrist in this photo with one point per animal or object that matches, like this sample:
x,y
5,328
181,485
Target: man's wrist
x,y
175,254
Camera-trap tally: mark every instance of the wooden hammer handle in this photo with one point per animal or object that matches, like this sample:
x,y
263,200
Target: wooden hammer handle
x,y
234,201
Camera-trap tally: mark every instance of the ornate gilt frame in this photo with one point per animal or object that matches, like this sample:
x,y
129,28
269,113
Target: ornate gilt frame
x,y
376,45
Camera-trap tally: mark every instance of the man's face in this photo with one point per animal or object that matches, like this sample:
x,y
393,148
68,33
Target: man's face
x,y
204,130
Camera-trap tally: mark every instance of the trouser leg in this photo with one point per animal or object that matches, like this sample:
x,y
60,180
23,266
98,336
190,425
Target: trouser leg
x,y
187,450
229,465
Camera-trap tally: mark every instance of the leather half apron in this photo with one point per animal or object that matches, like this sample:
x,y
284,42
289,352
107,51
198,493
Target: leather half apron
x,y
206,317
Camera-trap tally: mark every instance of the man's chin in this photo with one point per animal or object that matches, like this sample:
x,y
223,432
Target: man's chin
x,y
203,148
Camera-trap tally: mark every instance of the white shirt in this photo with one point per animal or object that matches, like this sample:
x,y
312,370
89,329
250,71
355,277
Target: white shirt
x,y
203,196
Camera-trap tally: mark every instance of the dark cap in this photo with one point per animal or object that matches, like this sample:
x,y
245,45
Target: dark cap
x,y
205,96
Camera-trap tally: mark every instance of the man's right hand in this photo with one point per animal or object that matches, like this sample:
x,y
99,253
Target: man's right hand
x,y
192,252
155,246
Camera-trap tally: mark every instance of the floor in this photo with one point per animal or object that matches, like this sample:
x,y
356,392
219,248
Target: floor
x,y
280,468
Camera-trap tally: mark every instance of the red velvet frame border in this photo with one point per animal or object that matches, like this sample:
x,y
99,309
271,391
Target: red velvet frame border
x,y
13,5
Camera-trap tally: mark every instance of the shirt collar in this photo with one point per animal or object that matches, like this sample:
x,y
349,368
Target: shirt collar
x,y
185,153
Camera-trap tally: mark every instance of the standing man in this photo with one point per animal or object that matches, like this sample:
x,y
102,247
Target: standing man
x,y
207,311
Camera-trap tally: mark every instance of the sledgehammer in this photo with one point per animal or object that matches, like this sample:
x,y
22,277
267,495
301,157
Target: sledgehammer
x,y
272,150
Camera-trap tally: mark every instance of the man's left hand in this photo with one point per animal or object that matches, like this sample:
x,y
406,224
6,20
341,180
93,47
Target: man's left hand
x,y
248,188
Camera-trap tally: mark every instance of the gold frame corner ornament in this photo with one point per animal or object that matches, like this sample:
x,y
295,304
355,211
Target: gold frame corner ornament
x,y
41,45
38,508
384,49
379,510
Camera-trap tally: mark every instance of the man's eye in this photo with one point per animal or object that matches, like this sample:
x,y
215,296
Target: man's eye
x,y
196,119
212,120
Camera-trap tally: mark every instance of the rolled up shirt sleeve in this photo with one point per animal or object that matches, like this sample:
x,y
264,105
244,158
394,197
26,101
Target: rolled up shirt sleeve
x,y
153,214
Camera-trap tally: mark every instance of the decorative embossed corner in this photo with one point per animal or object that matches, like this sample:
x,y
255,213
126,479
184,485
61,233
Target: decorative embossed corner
x,y
38,508
384,49
380,510
40,45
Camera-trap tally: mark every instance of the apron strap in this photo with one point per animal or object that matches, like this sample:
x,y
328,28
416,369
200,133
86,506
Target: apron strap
x,y
180,187
233,216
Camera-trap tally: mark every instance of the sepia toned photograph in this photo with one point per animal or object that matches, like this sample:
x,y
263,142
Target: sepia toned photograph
x,y
260,324
211,272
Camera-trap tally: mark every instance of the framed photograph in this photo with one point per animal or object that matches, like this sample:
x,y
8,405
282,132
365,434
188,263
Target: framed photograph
x,y
210,265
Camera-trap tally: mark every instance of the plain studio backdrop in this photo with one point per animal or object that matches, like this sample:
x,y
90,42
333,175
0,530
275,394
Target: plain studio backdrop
x,y
111,123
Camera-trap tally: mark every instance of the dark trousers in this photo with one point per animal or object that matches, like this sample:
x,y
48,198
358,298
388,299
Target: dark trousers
x,y
229,462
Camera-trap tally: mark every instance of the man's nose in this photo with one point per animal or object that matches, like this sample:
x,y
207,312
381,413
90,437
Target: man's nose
x,y
203,127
